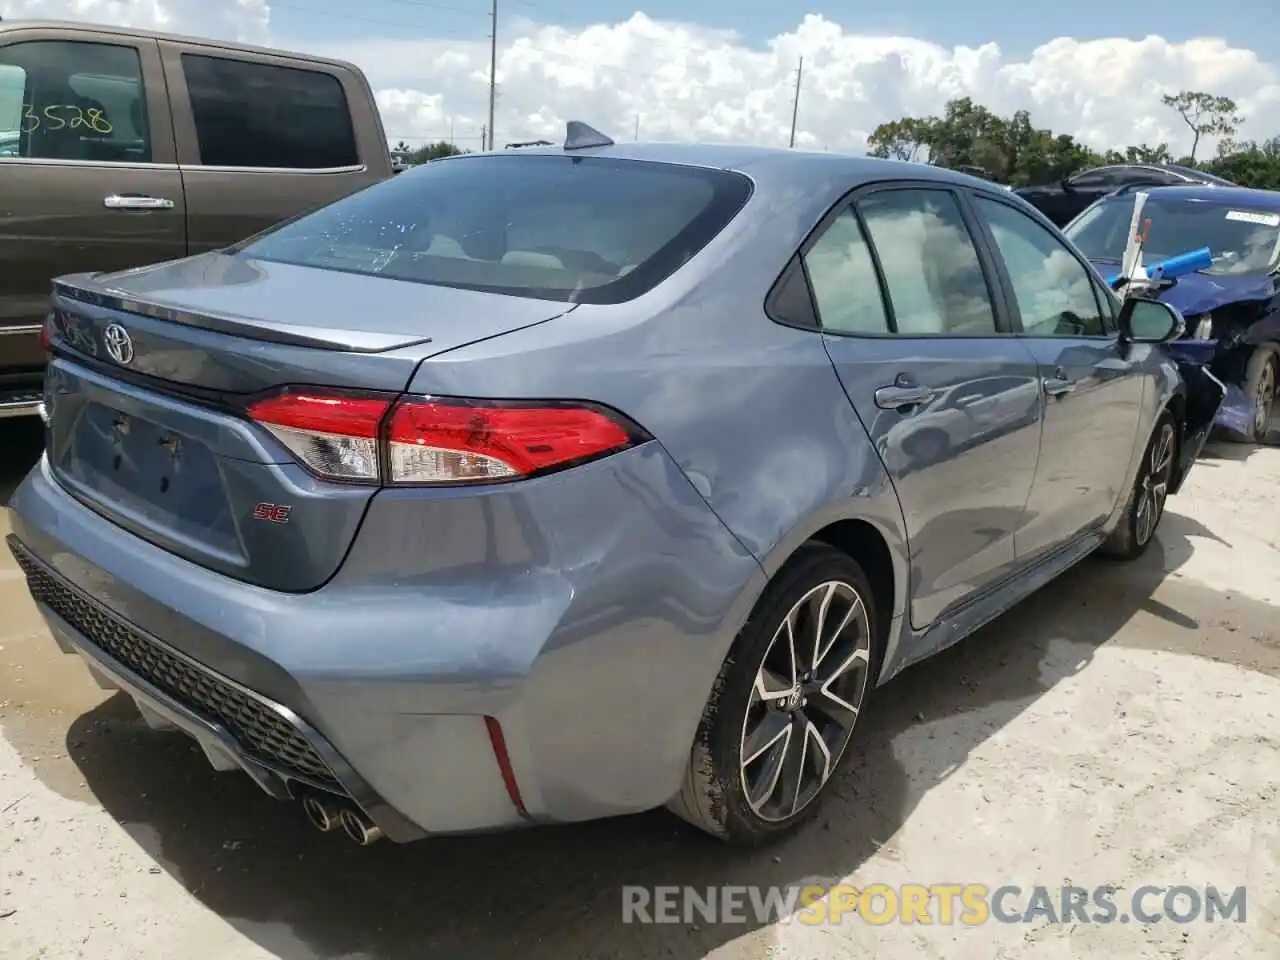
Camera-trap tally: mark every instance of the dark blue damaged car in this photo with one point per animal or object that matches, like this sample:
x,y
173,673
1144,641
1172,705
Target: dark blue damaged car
x,y
1233,308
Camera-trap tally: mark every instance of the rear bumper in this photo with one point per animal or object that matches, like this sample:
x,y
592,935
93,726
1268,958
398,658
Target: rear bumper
x,y
269,768
594,654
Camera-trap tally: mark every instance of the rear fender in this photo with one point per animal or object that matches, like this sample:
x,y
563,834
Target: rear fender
x,y
1204,396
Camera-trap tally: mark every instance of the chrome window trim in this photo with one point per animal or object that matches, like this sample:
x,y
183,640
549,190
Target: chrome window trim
x,y
119,165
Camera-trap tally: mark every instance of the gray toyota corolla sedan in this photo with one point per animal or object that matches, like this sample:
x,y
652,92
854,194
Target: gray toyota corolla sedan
x,y
553,484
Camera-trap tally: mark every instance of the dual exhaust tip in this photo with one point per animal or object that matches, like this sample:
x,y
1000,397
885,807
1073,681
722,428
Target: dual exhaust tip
x,y
328,813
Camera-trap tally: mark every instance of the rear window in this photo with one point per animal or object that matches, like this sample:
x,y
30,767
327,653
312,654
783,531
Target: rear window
x,y
575,229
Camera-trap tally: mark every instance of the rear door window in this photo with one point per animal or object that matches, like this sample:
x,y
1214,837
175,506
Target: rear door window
x,y
843,276
556,227
73,100
935,280
266,116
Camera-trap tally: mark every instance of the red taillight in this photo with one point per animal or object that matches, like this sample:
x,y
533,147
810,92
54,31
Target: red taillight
x,y
465,441
334,434
433,440
46,334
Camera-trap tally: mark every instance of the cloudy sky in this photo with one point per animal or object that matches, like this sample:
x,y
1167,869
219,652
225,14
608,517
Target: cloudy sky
x,y
726,69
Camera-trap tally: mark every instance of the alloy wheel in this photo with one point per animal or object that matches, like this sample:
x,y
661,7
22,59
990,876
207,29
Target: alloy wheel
x,y
1158,469
808,691
1263,400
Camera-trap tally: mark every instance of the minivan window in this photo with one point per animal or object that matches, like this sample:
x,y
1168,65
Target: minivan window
x,y
261,115
931,267
73,100
553,227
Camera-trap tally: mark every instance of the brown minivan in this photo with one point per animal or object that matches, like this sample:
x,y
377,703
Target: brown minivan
x,y
120,148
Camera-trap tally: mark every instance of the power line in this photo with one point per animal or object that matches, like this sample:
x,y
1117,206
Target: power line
x,y
313,11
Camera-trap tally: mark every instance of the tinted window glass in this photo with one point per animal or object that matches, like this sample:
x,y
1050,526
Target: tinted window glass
x,y
65,100
1241,240
930,264
257,115
843,277
582,229
1054,290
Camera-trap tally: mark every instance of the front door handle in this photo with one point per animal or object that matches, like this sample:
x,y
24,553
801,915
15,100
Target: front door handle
x,y
1057,386
133,201
902,395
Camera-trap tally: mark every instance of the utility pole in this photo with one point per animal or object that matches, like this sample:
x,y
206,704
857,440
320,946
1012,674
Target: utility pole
x,y
493,68
452,140
795,106
637,136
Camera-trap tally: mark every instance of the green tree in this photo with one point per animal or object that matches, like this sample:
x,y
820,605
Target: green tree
x,y
1015,151
1205,114
1250,164
433,151
905,139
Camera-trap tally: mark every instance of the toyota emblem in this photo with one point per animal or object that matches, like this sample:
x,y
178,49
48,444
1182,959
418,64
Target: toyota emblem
x,y
119,344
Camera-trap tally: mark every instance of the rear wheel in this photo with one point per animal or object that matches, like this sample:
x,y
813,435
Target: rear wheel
x,y
786,702
1261,376
1145,507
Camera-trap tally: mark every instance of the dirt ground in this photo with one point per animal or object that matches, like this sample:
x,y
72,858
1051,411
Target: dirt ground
x,y
1120,728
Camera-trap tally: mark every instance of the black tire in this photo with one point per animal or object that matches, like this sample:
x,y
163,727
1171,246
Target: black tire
x,y
1261,376
1134,533
714,794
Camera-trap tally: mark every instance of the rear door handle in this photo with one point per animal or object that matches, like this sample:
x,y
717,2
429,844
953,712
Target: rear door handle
x,y
136,202
902,395
1057,386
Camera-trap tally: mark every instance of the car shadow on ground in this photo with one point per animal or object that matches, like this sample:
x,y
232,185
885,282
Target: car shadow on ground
x,y
556,892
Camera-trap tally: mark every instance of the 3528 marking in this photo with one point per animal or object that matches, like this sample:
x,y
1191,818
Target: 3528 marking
x,y
58,116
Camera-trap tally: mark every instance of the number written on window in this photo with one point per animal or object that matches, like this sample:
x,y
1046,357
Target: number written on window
x,y
73,100
57,116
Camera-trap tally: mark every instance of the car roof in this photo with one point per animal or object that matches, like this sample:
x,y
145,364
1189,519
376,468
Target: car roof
x,y
765,165
1191,173
130,33
1268,200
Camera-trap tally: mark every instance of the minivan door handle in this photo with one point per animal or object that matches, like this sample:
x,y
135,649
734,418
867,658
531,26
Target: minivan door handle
x,y
903,393
134,201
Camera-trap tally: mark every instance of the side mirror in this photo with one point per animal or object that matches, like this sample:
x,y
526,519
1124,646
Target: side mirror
x,y
1150,321
1066,185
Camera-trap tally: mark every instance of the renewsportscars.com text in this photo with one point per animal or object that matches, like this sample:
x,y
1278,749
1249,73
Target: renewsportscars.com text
x,y
944,904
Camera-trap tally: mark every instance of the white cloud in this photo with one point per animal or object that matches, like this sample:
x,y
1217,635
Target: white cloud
x,y
246,20
683,81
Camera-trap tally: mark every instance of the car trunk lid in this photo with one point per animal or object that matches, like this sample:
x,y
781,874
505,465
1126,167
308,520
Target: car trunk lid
x,y
154,370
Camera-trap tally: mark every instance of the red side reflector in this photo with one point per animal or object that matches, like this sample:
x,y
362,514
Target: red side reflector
x,y
499,743
46,335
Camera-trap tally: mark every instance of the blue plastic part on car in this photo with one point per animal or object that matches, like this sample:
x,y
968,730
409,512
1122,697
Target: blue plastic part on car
x,y
1181,265
1175,267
